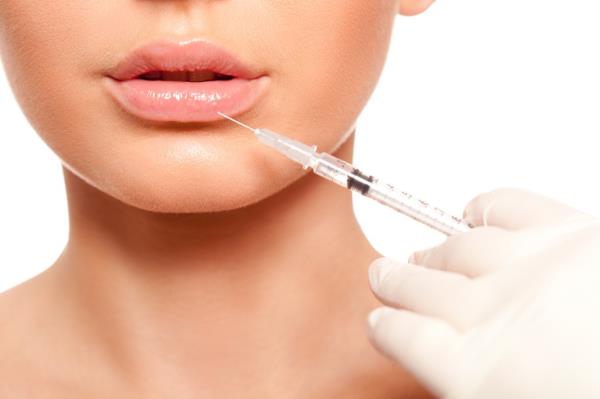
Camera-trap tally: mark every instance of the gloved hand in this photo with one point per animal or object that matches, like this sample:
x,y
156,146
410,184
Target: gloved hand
x,y
510,309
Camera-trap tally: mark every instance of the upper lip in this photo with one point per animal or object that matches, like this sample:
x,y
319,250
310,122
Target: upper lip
x,y
192,55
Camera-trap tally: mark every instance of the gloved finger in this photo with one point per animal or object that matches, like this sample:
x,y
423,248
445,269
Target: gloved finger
x,y
430,292
477,252
513,209
425,346
485,250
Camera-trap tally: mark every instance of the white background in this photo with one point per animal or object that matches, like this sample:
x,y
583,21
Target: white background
x,y
476,94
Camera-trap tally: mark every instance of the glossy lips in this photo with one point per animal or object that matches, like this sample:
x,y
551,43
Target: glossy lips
x,y
184,82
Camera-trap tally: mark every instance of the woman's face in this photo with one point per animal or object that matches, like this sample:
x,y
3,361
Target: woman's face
x,y
321,61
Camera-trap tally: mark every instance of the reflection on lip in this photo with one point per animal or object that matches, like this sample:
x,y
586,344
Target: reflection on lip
x,y
166,81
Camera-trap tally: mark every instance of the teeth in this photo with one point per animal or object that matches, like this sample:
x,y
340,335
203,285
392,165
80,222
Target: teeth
x,y
200,76
178,76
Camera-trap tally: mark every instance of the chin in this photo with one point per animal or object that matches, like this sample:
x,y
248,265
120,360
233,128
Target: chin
x,y
189,175
179,197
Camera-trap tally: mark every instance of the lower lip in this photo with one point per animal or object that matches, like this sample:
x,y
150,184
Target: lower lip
x,y
159,100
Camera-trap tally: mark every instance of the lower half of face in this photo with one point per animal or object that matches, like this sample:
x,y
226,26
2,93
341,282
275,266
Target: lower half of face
x,y
319,60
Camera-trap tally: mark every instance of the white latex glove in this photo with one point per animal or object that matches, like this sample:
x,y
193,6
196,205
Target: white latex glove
x,y
510,309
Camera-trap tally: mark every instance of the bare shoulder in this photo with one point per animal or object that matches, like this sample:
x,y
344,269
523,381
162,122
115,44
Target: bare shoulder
x,y
22,306
15,315
19,340
11,340
38,357
13,306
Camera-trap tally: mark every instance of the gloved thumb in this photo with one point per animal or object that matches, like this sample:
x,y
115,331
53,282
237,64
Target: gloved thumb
x,y
424,345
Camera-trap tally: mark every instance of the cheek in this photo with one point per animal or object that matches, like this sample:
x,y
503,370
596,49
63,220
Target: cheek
x,y
48,53
329,57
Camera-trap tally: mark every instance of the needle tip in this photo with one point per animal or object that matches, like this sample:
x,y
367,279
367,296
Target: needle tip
x,y
235,121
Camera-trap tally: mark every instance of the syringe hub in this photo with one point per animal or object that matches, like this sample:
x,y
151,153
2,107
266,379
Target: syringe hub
x,y
294,150
297,151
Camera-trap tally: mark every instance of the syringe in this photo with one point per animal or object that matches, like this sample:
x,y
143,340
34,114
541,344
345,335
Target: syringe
x,y
346,175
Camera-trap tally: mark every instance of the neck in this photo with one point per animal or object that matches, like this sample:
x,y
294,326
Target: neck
x,y
242,290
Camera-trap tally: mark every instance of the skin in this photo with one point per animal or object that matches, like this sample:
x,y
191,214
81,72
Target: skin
x,y
198,261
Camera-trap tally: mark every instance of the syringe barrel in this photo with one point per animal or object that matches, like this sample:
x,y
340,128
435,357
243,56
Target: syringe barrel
x,y
346,175
416,209
332,168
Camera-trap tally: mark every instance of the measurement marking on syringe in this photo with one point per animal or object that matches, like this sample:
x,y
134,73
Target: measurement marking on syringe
x,y
354,183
